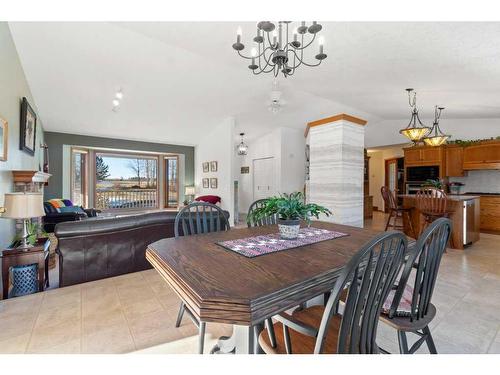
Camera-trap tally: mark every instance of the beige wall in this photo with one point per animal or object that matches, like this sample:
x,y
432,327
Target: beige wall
x,y
13,86
377,170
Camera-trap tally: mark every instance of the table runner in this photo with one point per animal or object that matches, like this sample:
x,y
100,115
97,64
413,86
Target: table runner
x,y
252,247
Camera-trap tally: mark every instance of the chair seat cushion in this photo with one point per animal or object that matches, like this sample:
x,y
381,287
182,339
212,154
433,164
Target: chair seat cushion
x,y
303,344
404,308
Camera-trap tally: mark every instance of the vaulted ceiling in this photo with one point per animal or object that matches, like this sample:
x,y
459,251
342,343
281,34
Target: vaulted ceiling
x,y
181,79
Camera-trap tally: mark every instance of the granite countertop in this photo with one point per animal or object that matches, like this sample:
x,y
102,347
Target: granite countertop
x,y
452,197
474,193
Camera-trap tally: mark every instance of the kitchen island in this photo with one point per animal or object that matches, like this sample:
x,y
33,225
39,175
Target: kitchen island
x,y
463,212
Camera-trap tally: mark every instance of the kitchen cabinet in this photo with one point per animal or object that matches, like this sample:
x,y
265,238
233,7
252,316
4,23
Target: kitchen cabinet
x,y
424,155
454,161
490,214
485,155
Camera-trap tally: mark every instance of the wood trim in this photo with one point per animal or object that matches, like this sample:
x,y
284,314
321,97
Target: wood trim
x,y
5,155
340,116
164,182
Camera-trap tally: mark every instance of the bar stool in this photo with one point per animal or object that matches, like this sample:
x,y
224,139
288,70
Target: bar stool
x,y
396,211
432,204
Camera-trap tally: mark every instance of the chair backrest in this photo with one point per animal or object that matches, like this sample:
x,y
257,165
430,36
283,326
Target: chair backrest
x,y
269,220
199,218
431,201
368,277
427,252
389,197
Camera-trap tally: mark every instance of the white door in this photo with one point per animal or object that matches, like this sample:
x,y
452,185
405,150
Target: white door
x,y
263,178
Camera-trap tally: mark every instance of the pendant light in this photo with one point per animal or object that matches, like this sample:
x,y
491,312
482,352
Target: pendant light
x,y
242,148
436,137
415,130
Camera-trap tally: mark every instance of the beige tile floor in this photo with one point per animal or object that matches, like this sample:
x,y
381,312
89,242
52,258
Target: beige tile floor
x,y
136,312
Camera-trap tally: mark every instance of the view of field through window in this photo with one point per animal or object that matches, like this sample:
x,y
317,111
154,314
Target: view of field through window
x,y
126,181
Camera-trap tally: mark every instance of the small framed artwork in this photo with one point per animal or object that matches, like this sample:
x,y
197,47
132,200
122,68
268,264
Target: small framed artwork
x,y
205,166
245,170
213,183
4,139
205,183
28,128
213,166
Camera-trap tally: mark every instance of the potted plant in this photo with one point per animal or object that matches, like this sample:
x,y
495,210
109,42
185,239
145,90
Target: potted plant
x,y
290,210
437,184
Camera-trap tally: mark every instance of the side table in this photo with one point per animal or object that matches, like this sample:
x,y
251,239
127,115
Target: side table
x,y
38,254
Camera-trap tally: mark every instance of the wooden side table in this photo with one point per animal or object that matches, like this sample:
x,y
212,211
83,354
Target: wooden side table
x,y
38,254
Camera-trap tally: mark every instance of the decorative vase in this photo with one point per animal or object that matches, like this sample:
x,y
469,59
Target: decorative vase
x,y
289,229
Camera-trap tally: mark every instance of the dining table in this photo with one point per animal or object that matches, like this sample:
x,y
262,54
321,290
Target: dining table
x,y
222,286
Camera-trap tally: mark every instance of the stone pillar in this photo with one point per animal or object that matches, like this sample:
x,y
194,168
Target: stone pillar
x,y
336,165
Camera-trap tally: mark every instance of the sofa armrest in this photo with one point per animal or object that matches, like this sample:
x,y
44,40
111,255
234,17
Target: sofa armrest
x,y
91,212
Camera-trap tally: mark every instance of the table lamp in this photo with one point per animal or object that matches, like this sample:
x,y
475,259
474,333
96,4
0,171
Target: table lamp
x,y
23,206
189,192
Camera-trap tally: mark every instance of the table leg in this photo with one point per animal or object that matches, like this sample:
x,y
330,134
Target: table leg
x,y
240,342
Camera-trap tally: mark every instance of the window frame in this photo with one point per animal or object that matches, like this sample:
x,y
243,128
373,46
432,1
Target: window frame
x,y
85,175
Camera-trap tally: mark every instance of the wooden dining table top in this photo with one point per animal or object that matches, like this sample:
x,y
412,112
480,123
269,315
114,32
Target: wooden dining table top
x,y
219,285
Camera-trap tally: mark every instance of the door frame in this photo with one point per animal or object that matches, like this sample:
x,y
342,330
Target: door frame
x,y
386,174
164,182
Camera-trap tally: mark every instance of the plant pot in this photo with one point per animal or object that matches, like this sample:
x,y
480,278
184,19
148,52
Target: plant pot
x,y
289,229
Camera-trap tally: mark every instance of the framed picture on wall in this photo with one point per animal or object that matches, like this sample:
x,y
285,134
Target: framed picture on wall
x,y
28,128
205,183
4,139
213,183
213,166
205,166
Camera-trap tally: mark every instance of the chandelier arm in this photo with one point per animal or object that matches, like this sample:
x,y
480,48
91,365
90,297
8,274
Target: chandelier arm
x,y
306,64
307,45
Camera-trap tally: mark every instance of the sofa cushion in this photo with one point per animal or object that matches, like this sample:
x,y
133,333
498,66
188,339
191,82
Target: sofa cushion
x,y
213,199
75,209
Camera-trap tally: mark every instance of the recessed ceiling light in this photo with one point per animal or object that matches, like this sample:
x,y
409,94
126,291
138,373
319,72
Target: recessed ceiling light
x,y
116,102
119,95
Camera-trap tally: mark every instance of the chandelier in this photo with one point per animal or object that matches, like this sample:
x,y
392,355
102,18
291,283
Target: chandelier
x,y
283,52
242,148
415,130
436,137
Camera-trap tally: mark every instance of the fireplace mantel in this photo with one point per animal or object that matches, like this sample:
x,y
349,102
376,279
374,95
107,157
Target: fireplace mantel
x,y
27,177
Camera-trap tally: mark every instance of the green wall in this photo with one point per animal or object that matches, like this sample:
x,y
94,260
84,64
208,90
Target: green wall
x,y
13,86
56,141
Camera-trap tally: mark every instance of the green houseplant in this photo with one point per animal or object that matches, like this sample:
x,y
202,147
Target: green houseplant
x,y
290,209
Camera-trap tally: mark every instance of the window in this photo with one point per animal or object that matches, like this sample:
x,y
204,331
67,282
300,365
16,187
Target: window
x,y
79,173
125,181
171,181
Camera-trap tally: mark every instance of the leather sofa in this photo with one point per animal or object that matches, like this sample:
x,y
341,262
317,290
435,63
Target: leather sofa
x,y
97,248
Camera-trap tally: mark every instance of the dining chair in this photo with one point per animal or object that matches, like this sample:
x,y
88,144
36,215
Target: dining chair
x,y
269,220
367,279
408,307
396,211
198,218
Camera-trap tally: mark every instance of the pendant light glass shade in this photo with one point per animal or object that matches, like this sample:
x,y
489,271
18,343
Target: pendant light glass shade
x,y
242,148
415,130
436,137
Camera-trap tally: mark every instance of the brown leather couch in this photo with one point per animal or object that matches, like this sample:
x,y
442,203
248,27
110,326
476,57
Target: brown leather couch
x,y
97,248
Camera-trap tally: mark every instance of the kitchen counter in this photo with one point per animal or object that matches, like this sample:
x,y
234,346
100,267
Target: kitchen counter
x,y
463,213
452,197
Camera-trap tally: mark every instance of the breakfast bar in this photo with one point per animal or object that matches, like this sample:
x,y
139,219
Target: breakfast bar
x,y
463,212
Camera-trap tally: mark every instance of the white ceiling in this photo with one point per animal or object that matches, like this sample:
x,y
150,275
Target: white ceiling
x,y
180,79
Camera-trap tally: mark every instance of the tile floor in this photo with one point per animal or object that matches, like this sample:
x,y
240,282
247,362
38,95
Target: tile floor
x,y
137,312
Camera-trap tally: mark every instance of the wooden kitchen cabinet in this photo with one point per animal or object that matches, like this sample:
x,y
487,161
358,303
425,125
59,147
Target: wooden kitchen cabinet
x,y
412,156
490,214
485,155
454,161
424,155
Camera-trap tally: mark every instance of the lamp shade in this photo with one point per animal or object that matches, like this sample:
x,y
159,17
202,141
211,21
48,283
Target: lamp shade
x,y
23,205
189,190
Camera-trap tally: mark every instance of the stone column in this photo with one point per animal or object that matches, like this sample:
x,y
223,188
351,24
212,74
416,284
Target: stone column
x,y
336,167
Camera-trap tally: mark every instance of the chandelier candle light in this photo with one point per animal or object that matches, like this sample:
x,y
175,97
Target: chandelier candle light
x,y
436,137
282,54
415,130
